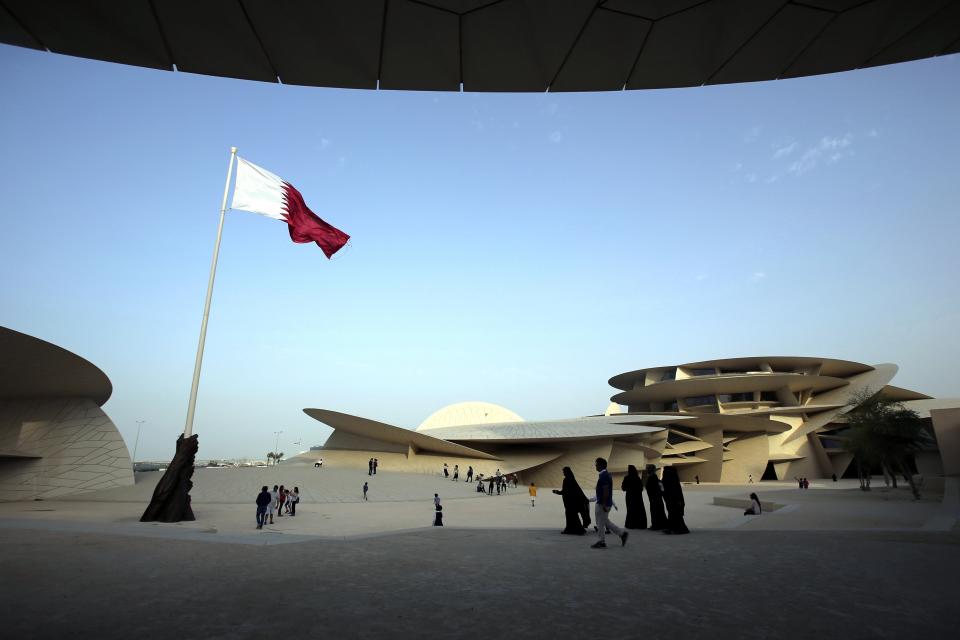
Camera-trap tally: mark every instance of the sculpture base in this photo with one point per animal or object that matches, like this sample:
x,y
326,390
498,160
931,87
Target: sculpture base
x,y
171,497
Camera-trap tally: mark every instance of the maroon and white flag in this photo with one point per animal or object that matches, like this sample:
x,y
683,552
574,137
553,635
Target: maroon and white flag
x,y
259,191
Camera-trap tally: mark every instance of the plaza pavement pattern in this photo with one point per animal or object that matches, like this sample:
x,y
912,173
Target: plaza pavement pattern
x,y
833,562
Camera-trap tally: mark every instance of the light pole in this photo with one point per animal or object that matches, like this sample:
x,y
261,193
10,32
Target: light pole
x,y
276,444
136,443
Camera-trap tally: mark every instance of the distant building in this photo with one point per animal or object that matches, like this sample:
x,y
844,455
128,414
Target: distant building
x,y
721,420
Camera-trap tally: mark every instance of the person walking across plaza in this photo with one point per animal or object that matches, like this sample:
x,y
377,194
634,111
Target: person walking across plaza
x,y
281,500
533,494
263,502
604,504
632,487
673,498
470,473
294,500
365,487
376,463
274,502
370,467
658,516
456,472
573,500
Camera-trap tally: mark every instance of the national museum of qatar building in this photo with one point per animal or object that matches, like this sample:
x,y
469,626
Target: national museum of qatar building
x,y
728,420
55,439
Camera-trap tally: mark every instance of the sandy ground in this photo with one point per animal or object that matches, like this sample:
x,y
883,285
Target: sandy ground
x,y
833,562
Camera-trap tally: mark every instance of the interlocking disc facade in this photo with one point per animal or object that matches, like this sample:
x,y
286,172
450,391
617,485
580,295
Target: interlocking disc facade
x,y
731,420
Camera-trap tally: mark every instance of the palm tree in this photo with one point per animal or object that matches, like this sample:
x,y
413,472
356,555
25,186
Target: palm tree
x,y
270,456
277,457
883,432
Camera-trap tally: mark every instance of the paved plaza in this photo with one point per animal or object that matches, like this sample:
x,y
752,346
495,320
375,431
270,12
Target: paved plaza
x,y
454,583
830,562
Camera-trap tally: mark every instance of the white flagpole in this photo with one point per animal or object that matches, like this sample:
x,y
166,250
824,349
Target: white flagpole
x,y
188,427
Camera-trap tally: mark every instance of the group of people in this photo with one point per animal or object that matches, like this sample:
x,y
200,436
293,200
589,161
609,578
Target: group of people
x,y
372,466
802,482
665,497
498,482
275,503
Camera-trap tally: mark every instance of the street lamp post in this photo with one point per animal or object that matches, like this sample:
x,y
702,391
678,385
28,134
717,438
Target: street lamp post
x,y
136,444
276,444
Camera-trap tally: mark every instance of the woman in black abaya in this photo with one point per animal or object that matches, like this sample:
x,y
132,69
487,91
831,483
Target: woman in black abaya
x,y
573,500
658,517
673,497
633,490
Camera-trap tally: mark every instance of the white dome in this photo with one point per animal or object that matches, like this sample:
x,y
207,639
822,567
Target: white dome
x,y
461,413
613,409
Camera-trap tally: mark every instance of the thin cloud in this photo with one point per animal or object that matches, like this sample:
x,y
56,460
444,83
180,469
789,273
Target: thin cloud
x,y
752,134
758,276
324,143
700,277
556,137
751,177
829,149
784,151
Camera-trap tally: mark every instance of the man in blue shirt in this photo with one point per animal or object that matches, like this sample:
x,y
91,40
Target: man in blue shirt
x,y
604,503
263,500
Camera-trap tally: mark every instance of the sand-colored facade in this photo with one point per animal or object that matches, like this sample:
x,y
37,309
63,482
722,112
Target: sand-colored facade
x,y
734,420
55,439
807,395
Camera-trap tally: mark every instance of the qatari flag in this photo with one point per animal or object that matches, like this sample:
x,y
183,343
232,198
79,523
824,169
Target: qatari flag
x,y
259,191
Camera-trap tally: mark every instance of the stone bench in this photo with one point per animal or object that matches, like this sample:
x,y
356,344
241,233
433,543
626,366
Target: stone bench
x,y
744,503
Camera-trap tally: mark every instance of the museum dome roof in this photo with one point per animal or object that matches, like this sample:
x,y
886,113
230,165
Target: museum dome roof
x,y
462,413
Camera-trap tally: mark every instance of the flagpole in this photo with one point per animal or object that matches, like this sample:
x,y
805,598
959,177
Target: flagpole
x,y
188,427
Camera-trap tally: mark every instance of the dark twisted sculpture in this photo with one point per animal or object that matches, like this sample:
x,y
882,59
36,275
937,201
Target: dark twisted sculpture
x,y
171,497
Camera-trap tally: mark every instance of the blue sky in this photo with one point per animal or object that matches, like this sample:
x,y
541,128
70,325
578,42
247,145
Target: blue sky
x,y
518,249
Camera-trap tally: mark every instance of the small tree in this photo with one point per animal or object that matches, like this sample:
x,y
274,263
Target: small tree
x,y
883,432
277,457
270,456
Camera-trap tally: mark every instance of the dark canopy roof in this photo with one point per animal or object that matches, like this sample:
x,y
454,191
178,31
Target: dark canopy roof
x,y
33,368
490,45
